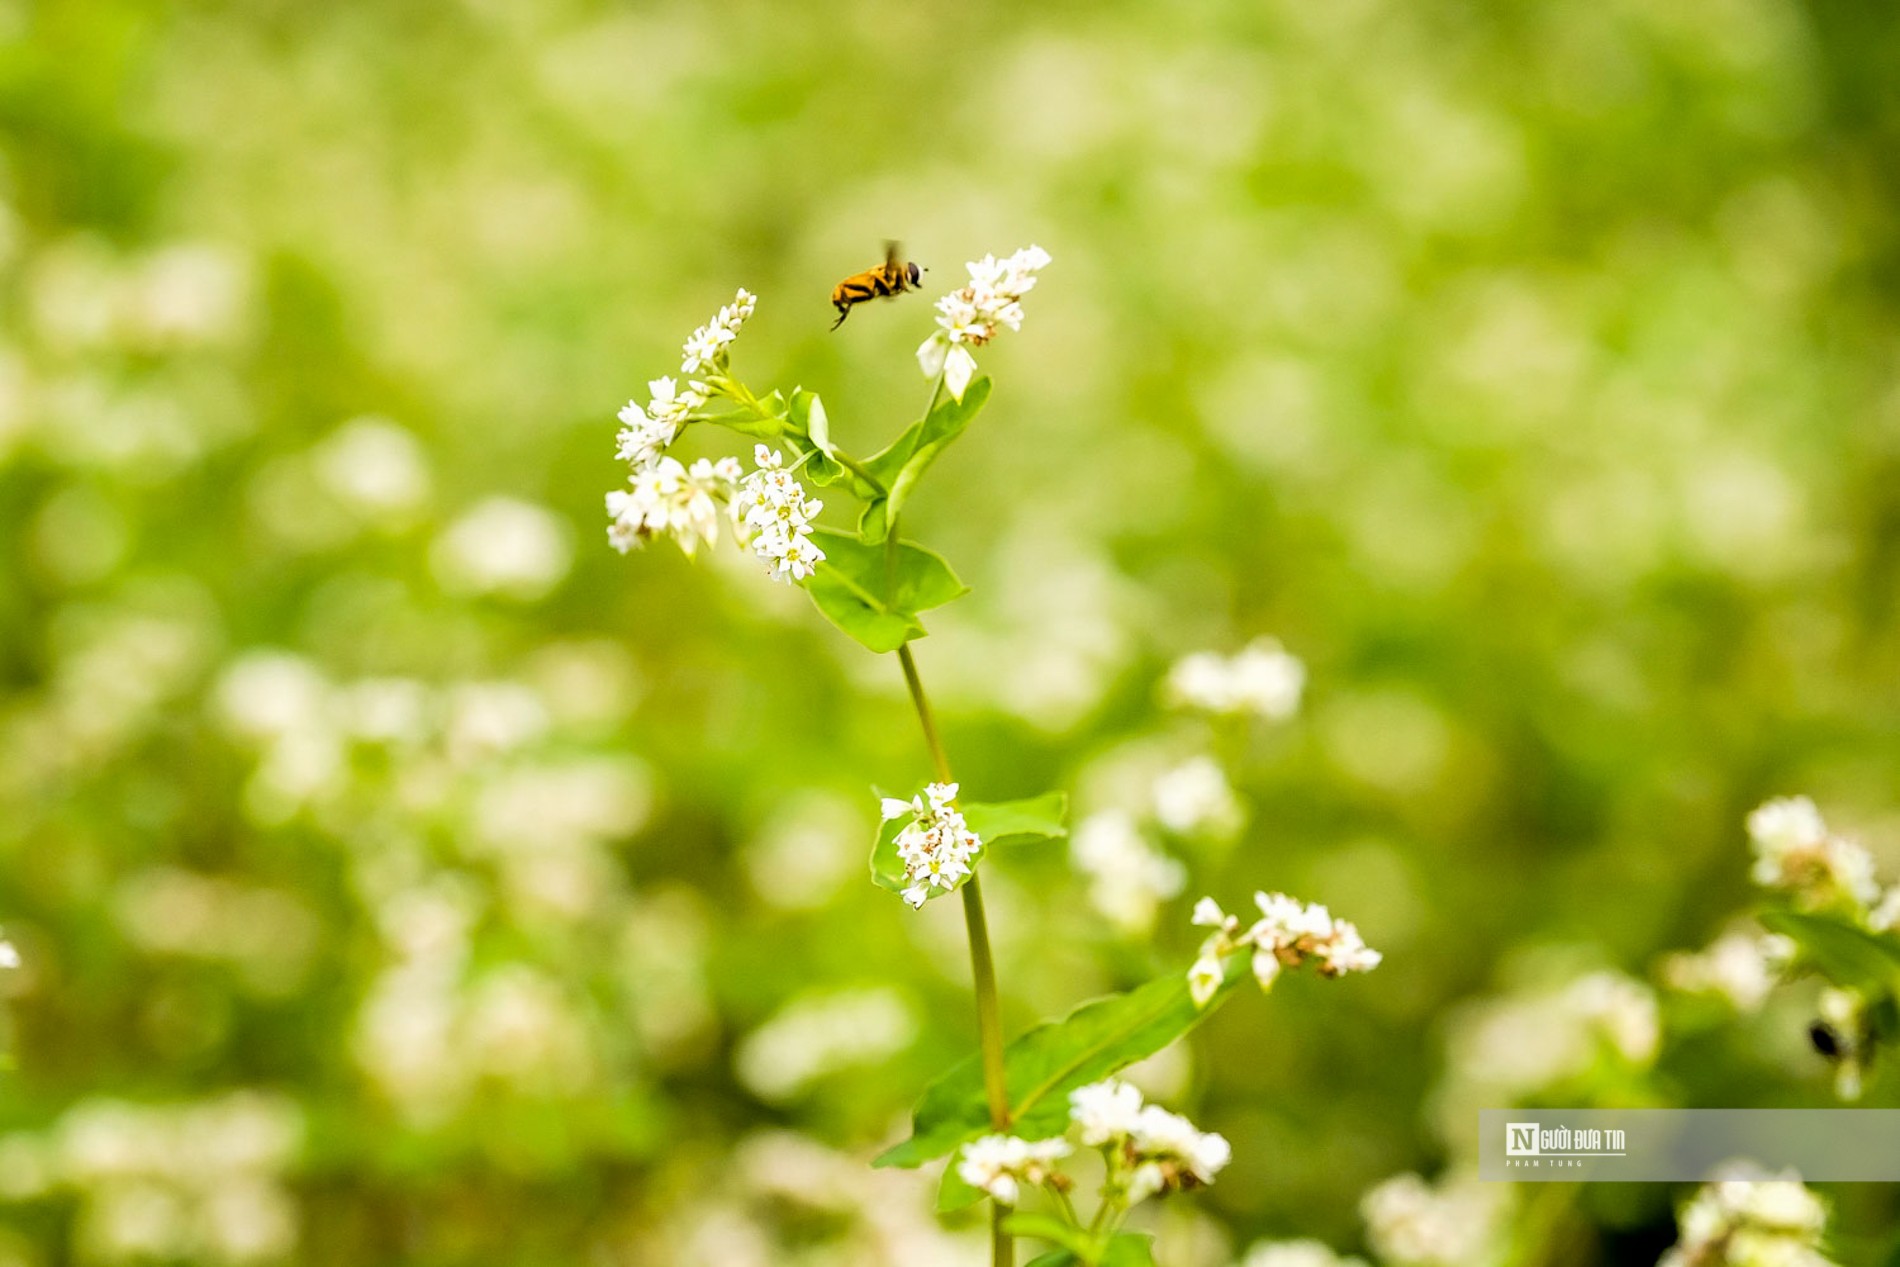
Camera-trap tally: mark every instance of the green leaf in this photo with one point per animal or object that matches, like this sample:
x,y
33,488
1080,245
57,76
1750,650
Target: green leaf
x,y
1045,1064
953,1193
1846,953
808,433
1045,1227
900,466
1124,1249
1130,1249
874,593
1037,818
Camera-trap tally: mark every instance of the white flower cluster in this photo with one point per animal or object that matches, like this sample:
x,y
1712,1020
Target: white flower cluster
x,y
1288,933
1460,1223
1149,1149
971,317
706,348
1001,1164
1795,851
1741,966
773,515
1262,680
646,432
1750,1223
670,499
1159,1150
937,847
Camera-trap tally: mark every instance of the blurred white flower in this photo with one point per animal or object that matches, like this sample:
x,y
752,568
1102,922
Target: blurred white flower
x,y
1740,966
1001,1164
198,1181
816,1036
375,468
503,546
1263,680
1195,799
1512,1046
1128,877
971,317
1794,851
1461,1223
1750,1222
772,515
9,953
668,499
706,346
1296,1254
937,847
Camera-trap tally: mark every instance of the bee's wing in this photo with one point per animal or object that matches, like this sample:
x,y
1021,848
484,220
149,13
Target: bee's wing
x,y
890,252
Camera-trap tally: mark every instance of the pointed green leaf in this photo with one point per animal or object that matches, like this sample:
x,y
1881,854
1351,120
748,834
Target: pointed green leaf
x,y
1846,953
953,1193
1051,1060
1054,1258
874,593
900,466
808,434
769,427
1037,818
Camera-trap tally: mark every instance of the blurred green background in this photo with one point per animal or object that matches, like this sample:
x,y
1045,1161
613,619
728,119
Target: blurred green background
x,y
403,877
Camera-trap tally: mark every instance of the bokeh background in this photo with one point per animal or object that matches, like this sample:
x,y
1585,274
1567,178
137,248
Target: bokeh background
x,y
401,876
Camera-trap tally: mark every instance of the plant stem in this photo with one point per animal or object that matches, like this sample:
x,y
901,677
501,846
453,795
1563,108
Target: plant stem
x,y
989,1016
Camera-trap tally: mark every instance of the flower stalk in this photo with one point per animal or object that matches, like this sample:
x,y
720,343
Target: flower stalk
x,y
989,1013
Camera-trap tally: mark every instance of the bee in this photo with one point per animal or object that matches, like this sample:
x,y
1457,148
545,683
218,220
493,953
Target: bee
x,y
892,277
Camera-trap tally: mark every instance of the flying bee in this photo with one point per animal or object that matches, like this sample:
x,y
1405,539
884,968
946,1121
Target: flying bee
x,y
892,277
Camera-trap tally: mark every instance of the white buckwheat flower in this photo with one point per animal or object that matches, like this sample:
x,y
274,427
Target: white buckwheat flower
x,y
1750,1221
668,499
772,515
937,847
1795,851
1288,933
1262,680
1104,1111
971,317
1163,1150
646,432
1001,1164
706,346
1173,1152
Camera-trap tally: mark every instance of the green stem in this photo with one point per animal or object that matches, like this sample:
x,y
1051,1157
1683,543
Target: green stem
x,y
989,1015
